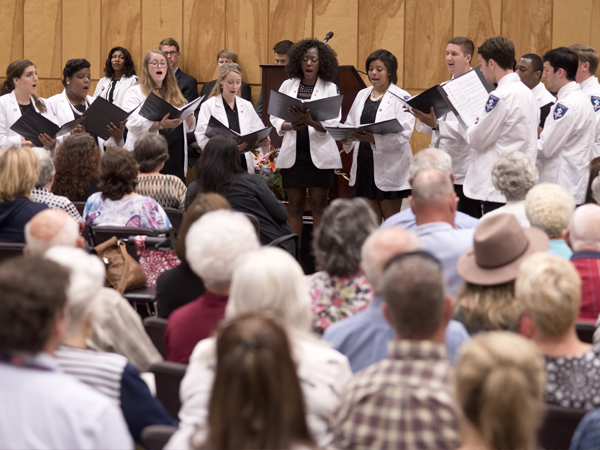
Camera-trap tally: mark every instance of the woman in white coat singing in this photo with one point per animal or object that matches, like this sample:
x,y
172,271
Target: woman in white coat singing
x,y
120,76
380,164
308,153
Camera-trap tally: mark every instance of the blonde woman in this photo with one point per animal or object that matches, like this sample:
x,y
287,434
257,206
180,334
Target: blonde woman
x,y
226,105
158,78
499,385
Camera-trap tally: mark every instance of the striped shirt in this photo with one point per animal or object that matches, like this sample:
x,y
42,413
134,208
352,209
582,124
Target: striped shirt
x,y
168,190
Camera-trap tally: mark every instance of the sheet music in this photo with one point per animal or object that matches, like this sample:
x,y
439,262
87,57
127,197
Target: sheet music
x,y
468,95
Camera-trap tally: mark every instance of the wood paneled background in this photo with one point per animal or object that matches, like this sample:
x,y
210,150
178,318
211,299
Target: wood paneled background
x,y
49,32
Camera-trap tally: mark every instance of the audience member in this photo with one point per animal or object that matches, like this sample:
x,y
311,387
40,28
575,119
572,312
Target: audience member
x,y
364,337
41,406
499,385
587,434
339,290
594,170
214,243
514,174
405,401
322,371
43,187
549,207
486,301
187,84
225,56
117,204
19,171
429,158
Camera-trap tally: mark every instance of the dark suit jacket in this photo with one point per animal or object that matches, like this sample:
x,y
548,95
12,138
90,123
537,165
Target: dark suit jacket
x,y
187,85
208,87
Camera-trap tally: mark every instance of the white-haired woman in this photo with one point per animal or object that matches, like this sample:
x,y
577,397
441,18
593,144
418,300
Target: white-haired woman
x,y
514,174
109,373
277,285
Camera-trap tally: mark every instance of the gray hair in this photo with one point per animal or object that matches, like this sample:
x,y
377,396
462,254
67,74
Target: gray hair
x,y
47,167
215,242
431,186
150,150
37,231
514,174
596,189
431,158
345,225
549,207
584,227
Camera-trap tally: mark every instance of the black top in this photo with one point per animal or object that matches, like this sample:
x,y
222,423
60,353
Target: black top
x,y
232,116
207,88
177,287
25,108
14,215
188,85
92,188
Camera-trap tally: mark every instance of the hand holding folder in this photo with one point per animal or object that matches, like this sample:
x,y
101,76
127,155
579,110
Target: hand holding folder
x,y
216,128
32,124
321,109
155,109
343,133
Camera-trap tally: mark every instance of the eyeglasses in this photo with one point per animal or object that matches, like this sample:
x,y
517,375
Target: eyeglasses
x,y
157,64
170,53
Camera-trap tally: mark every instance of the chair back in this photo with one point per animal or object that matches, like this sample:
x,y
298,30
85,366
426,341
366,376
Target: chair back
x,y
80,207
10,250
103,234
155,437
559,426
254,220
168,376
175,216
155,327
585,331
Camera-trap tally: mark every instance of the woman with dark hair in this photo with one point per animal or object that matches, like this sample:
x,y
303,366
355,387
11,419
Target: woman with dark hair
x,y
77,166
380,164
120,76
219,170
117,204
308,154
152,152
17,96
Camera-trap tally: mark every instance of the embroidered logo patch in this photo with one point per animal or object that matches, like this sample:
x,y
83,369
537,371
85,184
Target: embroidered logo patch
x,y
560,111
406,97
491,103
595,103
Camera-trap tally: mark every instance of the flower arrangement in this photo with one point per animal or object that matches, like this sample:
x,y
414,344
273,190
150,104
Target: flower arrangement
x,y
264,167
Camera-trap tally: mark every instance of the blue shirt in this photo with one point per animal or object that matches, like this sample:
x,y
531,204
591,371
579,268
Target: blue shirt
x,y
587,434
364,337
560,248
406,219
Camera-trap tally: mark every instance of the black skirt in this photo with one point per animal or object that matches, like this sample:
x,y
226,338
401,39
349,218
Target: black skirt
x,y
304,174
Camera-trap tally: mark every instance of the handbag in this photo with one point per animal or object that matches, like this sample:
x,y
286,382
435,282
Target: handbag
x,y
123,272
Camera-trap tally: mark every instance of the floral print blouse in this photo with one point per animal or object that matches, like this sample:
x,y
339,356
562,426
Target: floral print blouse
x,y
139,211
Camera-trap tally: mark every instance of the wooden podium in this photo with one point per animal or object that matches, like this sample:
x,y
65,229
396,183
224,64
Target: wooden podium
x,y
348,81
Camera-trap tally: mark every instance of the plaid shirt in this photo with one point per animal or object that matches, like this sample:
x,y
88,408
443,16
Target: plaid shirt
x,y
403,402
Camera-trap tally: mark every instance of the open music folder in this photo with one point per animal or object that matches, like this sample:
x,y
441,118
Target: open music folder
x,y
155,109
31,124
320,109
216,128
342,133
100,114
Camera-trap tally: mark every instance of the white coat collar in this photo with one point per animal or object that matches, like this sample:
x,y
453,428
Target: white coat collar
x,y
591,81
510,78
15,104
567,89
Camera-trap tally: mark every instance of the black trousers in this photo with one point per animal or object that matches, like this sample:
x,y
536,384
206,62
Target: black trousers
x,y
467,205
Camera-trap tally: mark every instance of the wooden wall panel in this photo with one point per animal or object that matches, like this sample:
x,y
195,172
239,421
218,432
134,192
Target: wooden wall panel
x,y
85,23
48,87
528,24
161,19
247,32
418,141
289,19
595,30
341,17
11,32
571,22
478,20
203,36
428,27
121,26
42,43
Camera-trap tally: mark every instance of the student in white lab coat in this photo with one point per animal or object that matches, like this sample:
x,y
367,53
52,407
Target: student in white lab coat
x,y
120,76
17,97
380,163
308,154
509,122
530,68
225,104
566,145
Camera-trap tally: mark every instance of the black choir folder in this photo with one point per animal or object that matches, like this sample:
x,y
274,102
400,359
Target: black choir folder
x,y
321,109
155,109
31,124
216,128
342,133
99,115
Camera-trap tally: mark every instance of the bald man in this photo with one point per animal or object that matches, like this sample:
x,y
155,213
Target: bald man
x,y
117,328
583,236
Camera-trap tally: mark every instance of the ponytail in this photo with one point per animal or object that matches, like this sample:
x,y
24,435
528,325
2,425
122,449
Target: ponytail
x,y
7,87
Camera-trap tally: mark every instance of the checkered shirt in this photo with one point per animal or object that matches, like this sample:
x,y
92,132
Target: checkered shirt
x,y
42,195
403,402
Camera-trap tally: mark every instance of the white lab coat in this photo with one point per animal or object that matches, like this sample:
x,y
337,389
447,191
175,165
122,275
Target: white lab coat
x,y
566,145
542,95
123,84
510,125
591,88
138,125
10,113
323,149
391,152
249,121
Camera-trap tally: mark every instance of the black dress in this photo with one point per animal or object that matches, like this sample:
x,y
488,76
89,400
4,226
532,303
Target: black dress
x,y
304,173
176,141
364,185
234,124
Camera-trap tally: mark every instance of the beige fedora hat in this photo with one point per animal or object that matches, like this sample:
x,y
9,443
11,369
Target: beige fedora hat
x,y
499,247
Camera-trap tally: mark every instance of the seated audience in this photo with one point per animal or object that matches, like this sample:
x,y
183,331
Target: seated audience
x,y
364,337
180,285
499,385
514,174
434,204
214,244
41,406
151,152
429,158
117,204
19,171
486,301
269,279
549,289
225,56
405,401
77,165
42,193
594,171
117,327
340,290
109,373
256,399
549,207
587,434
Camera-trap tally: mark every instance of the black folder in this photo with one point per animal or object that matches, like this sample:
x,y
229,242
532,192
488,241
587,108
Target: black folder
x,y
31,124
100,114
155,109
216,128
544,112
342,133
322,109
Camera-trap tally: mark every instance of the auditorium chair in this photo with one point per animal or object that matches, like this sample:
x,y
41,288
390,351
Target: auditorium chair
x,y
280,240
559,426
155,328
168,376
175,216
80,206
585,331
155,437
10,250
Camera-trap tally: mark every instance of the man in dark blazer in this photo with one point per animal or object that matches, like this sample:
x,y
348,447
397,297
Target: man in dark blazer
x,y
225,56
187,83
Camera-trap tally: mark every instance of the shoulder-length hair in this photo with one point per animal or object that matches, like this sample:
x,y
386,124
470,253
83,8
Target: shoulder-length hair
x,y
15,70
328,63
223,72
388,59
118,174
19,171
77,163
169,91
72,67
128,67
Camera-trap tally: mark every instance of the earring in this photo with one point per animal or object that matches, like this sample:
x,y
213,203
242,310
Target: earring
x,y
68,82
